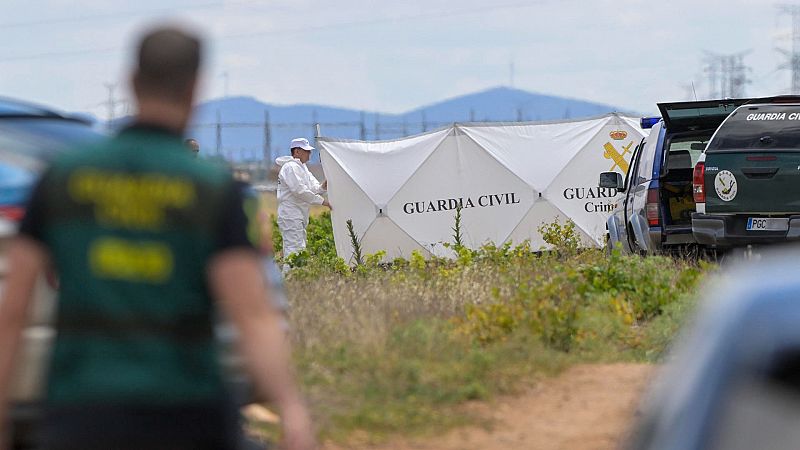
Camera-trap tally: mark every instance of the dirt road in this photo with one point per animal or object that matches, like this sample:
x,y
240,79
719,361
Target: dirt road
x,y
588,407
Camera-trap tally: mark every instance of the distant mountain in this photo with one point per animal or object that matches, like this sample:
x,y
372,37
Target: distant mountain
x,y
502,104
241,134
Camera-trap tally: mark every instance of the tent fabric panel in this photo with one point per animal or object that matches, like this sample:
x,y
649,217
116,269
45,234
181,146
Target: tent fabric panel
x,y
536,152
542,212
385,235
381,168
349,202
459,171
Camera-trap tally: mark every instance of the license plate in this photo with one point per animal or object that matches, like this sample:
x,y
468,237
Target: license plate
x,y
764,224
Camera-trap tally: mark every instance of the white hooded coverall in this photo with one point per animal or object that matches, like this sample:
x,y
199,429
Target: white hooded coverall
x,y
298,189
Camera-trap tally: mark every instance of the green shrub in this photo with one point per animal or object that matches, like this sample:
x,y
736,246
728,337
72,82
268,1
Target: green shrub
x,y
563,238
277,239
552,298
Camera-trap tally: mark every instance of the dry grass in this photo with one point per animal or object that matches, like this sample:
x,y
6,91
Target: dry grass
x,y
335,309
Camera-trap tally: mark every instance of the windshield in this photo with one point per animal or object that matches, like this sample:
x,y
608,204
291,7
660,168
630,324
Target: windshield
x,y
42,138
766,127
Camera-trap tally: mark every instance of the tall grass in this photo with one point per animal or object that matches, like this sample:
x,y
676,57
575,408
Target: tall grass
x,y
399,347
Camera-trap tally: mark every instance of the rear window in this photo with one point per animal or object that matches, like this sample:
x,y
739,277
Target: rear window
x,y
684,151
766,127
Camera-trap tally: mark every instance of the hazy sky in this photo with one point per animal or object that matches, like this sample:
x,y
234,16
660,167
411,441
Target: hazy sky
x,y
392,56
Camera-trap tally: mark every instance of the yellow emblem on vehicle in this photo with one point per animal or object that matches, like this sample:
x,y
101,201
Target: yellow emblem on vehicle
x,y
613,154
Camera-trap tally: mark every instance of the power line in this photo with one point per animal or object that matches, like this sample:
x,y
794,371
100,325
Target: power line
x,y
356,23
290,31
121,15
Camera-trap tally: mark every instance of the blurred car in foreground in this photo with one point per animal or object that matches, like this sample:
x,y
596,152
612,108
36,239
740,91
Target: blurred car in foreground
x,y
30,137
734,380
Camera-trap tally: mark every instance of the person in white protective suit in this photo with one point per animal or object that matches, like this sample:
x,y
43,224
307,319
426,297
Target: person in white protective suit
x,y
298,189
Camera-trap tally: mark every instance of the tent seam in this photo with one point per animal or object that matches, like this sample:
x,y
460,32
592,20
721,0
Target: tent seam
x,y
348,176
417,169
564,167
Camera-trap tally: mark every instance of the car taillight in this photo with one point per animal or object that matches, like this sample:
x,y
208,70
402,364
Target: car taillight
x,y
12,213
699,183
652,208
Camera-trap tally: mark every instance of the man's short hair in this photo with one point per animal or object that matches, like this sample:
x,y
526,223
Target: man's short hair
x,y
168,62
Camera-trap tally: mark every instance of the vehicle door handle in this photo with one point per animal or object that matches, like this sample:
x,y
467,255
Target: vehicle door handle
x,y
759,173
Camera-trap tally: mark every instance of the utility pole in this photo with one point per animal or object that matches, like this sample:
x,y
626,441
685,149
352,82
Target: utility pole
x,y
111,103
363,129
314,123
792,62
267,140
712,69
738,75
219,134
377,126
424,122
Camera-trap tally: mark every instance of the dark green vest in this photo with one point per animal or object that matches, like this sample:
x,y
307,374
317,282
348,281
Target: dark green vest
x,y
131,225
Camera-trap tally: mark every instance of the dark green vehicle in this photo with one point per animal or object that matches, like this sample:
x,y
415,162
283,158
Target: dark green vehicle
x,y
746,184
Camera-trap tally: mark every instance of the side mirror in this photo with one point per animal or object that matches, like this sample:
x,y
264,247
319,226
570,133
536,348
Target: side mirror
x,y
611,180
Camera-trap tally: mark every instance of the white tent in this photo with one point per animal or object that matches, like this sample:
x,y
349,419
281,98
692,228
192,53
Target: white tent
x,y
509,179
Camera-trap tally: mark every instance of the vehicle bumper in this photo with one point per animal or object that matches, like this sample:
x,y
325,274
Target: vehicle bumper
x,y
722,231
655,235
678,235
662,238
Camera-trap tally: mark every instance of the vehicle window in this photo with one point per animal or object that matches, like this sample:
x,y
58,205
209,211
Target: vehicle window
x,y
759,127
632,166
42,138
645,168
684,152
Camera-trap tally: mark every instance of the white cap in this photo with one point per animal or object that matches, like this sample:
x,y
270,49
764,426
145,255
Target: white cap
x,y
301,143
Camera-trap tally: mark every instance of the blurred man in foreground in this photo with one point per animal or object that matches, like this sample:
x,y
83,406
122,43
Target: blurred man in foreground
x,y
146,240
298,189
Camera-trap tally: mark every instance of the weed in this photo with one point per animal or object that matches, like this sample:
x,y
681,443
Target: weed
x,y
355,242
